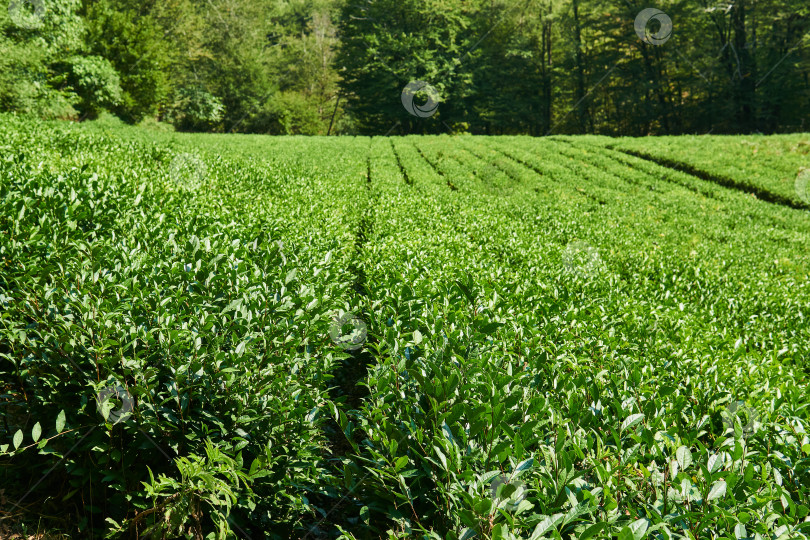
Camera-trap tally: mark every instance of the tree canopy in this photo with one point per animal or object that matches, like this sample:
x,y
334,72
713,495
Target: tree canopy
x,y
333,66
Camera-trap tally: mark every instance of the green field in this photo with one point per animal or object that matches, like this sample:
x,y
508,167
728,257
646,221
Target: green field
x,y
564,337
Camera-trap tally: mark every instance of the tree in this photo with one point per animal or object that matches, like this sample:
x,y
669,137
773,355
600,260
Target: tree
x,y
387,44
31,43
96,83
126,33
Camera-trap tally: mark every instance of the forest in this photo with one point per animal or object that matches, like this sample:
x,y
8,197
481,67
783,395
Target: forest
x,y
318,67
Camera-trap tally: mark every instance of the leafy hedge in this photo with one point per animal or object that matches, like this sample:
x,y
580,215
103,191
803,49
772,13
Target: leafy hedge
x,y
209,309
563,340
769,166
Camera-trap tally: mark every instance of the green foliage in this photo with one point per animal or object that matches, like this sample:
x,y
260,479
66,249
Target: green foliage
x,y
25,83
212,313
329,66
131,38
388,44
606,394
196,110
291,113
96,83
767,166
171,349
207,484
29,84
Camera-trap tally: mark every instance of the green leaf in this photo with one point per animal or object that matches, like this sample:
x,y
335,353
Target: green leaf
x,y
715,462
240,445
400,463
718,490
417,337
523,506
233,305
684,457
591,531
638,528
626,534
36,432
632,420
18,438
60,421
546,525
442,457
524,465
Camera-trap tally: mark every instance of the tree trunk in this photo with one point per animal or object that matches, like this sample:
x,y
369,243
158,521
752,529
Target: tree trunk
x,y
745,87
582,107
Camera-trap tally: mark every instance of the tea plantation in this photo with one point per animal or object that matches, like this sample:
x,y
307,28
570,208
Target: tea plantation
x,y
231,336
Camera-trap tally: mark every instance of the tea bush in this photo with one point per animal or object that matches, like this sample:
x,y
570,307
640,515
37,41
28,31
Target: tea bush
x,y
552,339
